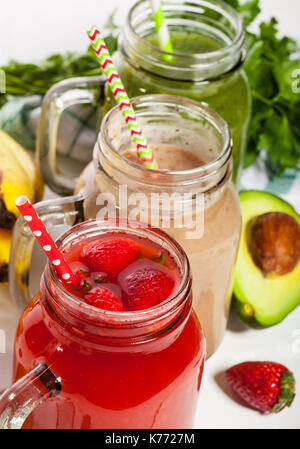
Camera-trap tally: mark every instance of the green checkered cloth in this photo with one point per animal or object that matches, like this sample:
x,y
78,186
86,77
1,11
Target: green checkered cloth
x,y
19,117
77,135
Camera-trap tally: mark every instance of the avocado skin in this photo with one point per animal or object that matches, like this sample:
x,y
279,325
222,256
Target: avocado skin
x,y
268,305
238,307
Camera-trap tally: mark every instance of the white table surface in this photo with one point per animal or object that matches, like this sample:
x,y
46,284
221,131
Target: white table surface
x,y
42,27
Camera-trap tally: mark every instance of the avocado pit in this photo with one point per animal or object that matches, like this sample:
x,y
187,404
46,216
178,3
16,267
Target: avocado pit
x,y
274,242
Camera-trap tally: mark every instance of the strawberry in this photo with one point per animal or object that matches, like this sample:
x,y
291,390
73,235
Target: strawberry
x,y
82,274
265,386
146,287
103,298
111,255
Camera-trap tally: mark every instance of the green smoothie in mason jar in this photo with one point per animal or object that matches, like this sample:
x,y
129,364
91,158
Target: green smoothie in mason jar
x,y
206,63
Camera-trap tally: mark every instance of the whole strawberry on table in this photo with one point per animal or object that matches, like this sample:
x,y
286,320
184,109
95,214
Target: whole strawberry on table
x,y
266,386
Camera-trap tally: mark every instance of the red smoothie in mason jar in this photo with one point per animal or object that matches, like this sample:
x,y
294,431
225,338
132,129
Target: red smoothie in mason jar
x,y
124,343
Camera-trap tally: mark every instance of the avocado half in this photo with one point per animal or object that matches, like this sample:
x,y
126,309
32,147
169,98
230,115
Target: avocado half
x,y
263,300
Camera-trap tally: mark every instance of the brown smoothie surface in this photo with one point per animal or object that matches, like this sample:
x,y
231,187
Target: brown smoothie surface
x,y
169,157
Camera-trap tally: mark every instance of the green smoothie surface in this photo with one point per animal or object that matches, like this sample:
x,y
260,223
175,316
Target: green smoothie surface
x,y
188,42
228,94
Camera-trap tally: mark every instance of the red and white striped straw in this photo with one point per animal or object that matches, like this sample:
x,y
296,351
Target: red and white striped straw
x,y
44,239
121,97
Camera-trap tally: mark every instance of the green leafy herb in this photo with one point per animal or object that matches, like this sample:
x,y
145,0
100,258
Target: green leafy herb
x,y
272,65
24,79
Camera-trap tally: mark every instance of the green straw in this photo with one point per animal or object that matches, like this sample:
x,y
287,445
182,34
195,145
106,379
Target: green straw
x,y
161,28
121,97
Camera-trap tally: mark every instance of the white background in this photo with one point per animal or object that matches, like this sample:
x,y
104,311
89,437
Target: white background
x,y
33,29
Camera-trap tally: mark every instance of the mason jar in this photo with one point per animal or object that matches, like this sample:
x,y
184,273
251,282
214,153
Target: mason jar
x,y
206,65
77,366
191,197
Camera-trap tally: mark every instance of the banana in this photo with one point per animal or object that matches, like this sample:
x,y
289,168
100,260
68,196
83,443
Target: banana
x,y
27,163
18,176
5,244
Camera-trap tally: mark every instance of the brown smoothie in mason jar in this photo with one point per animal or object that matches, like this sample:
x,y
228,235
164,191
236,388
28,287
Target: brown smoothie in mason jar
x,y
193,148
212,256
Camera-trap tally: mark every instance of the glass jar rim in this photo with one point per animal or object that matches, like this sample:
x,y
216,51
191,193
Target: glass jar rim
x,y
199,173
212,19
237,42
90,313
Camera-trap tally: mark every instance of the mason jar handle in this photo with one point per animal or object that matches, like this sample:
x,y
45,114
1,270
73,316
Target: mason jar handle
x,y
61,211
18,401
66,93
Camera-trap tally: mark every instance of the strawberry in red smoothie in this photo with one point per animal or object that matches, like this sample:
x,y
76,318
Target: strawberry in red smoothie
x,y
121,273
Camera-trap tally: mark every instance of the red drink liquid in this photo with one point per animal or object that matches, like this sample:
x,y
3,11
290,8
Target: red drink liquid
x,y
130,368
121,272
